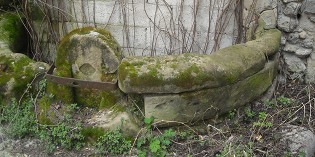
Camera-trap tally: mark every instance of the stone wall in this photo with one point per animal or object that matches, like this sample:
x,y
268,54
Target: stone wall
x,y
296,21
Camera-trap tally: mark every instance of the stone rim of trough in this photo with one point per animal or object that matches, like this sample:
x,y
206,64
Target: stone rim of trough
x,y
171,74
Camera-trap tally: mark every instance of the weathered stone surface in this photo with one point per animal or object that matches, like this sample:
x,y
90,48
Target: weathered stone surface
x,y
269,18
88,54
308,43
293,38
299,139
303,52
288,1
286,23
290,48
310,71
292,9
309,7
16,72
207,103
302,35
12,32
296,66
262,5
115,118
189,72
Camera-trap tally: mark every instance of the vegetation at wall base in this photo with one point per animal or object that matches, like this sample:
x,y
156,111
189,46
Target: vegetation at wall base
x,y
249,131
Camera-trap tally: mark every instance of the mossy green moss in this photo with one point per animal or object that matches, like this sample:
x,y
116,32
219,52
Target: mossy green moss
x,y
16,75
61,92
66,56
97,98
12,31
91,134
43,112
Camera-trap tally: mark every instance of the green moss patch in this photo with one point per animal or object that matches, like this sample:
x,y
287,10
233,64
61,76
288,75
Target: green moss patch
x,y
12,31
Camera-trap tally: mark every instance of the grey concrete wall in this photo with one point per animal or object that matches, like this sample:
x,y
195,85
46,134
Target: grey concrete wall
x,y
154,27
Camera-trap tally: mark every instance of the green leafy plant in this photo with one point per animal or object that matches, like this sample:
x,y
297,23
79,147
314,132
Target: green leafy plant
x,y
284,101
20,119
112,143
249,113
63,135
157,145
262,120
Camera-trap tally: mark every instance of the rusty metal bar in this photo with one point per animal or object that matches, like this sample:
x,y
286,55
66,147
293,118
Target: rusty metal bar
x,y
107,86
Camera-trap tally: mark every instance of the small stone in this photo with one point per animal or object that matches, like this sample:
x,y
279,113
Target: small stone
x,y
269,18
309,7
283,40
286,23
308,43
292,9
312,18
298,139
293,38
296,66
290,48
302,35
303,52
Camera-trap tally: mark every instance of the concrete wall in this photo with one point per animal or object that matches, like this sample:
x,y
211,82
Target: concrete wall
x,y
154,27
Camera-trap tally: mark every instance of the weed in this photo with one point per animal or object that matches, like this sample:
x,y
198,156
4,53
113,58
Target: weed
x,y
270,103
19,119
262,120
62,135
237,150
232,114
156,145
284,101
249,113
112,143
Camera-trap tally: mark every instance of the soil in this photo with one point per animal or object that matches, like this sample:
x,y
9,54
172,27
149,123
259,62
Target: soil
x,y
236,133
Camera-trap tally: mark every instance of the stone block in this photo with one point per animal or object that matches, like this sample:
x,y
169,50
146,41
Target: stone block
x,y
292,9
88,54
298,139
269,18
208,103
287,24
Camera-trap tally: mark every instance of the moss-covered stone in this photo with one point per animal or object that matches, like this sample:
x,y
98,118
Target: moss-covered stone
x,y
13,33
16,72
87,54
194,106
116,117
193,71
189,72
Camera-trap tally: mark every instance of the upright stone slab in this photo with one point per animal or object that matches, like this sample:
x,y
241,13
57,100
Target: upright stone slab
x,y
93,55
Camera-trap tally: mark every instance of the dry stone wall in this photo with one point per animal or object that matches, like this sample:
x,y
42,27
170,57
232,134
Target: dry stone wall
x,y
296,20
